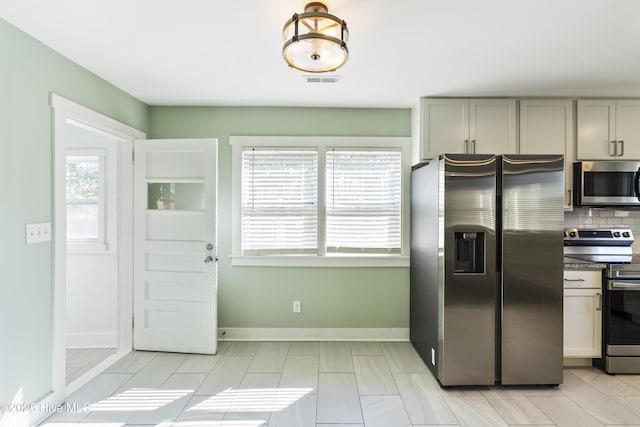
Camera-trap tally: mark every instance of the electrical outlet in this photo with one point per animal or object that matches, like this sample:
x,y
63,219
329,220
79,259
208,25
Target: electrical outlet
x,y
35,233
296,306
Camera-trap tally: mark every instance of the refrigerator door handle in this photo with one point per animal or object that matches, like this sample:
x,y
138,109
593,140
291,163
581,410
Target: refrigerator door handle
x,y
636,184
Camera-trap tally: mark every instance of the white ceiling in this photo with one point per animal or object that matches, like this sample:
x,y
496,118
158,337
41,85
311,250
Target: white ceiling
x,y
228,52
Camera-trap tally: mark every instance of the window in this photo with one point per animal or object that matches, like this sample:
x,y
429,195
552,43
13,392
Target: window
x,y
85,195
363,201
279,201
319,201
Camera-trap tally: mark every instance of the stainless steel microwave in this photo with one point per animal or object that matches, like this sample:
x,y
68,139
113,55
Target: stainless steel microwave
x,y
606,183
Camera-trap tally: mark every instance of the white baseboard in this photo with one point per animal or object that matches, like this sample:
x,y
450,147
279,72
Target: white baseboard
x,y
92,340
313,334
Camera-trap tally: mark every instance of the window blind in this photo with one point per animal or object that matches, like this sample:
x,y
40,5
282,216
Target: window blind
x,y
279,201
363,196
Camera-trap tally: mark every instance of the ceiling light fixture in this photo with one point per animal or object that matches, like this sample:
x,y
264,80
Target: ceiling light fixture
x,y
315,41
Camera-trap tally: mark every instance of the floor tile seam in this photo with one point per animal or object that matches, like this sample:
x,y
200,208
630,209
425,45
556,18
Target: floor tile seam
x,y
318,386
120,384
382,374
240,383
155,354
404,404
495,408
372,358
183,373
632,385
623,382
273,353
182,411
592,413
221,353
355,378
567,397
216,359
620,402
451,409
357,393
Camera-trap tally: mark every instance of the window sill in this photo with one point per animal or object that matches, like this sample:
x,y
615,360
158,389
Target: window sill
x,y
320,261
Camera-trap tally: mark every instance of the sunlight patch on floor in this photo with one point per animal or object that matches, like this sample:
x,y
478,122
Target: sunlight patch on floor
x,y
139,399
252,400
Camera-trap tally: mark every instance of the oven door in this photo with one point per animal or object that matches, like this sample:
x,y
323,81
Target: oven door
x,y
607,183
622,323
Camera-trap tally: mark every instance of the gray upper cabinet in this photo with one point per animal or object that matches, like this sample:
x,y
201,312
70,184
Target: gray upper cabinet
x,y
608,130
472,126
546,127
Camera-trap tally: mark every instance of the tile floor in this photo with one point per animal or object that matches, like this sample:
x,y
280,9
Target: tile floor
x,y
298,384
81,360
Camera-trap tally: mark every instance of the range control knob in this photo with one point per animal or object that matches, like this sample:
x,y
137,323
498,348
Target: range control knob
x,y
566,234
625,234
572,234
616,234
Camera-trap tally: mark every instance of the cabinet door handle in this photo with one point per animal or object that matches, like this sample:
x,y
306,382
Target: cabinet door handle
x,y
599,301
466,146
621,148
473,143
570,199
573,280
615,148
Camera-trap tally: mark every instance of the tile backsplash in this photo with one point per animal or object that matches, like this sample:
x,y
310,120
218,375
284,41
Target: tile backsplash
x,y
607,218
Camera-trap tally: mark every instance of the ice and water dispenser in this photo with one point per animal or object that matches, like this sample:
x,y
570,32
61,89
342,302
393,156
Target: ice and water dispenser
x,y
469,256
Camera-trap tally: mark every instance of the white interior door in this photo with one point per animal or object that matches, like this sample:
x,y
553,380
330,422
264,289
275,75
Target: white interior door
x,y
175,289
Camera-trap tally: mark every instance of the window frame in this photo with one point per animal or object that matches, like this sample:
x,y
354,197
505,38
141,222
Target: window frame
x,y
322,144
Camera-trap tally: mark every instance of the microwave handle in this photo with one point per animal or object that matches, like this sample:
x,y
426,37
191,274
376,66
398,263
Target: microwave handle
x,y
636,184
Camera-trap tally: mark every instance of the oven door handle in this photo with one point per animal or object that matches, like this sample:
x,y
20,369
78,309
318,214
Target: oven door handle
x,y
615,285
636,184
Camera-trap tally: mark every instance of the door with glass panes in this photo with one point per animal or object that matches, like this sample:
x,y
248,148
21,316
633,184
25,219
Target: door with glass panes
x,y
175,289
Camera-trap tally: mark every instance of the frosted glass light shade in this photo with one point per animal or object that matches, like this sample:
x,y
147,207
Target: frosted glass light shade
x,y
315,41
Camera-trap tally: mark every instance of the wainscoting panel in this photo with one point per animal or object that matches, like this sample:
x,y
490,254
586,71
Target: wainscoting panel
x,y
92,301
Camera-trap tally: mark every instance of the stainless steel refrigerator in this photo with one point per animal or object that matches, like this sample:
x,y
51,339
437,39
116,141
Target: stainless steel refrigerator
x,y
487,267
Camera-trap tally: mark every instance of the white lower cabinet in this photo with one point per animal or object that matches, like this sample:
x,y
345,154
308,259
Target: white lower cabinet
x,y
583,313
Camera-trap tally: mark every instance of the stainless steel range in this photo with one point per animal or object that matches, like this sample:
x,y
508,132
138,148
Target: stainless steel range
x,y
621,314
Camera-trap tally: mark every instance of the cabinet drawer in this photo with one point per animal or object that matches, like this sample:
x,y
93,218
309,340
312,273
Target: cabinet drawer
x,y
582,279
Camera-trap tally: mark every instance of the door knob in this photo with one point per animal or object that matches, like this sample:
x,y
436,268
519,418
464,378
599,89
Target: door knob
x,y
209,247
208,260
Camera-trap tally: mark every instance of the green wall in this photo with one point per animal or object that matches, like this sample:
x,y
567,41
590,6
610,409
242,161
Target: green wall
x,y
29,71
261,297
248,297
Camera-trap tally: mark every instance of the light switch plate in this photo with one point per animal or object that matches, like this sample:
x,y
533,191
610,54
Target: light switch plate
x,y
35,233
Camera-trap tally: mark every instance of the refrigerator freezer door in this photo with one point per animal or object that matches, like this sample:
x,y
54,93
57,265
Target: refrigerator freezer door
x,y
468,286
532,242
